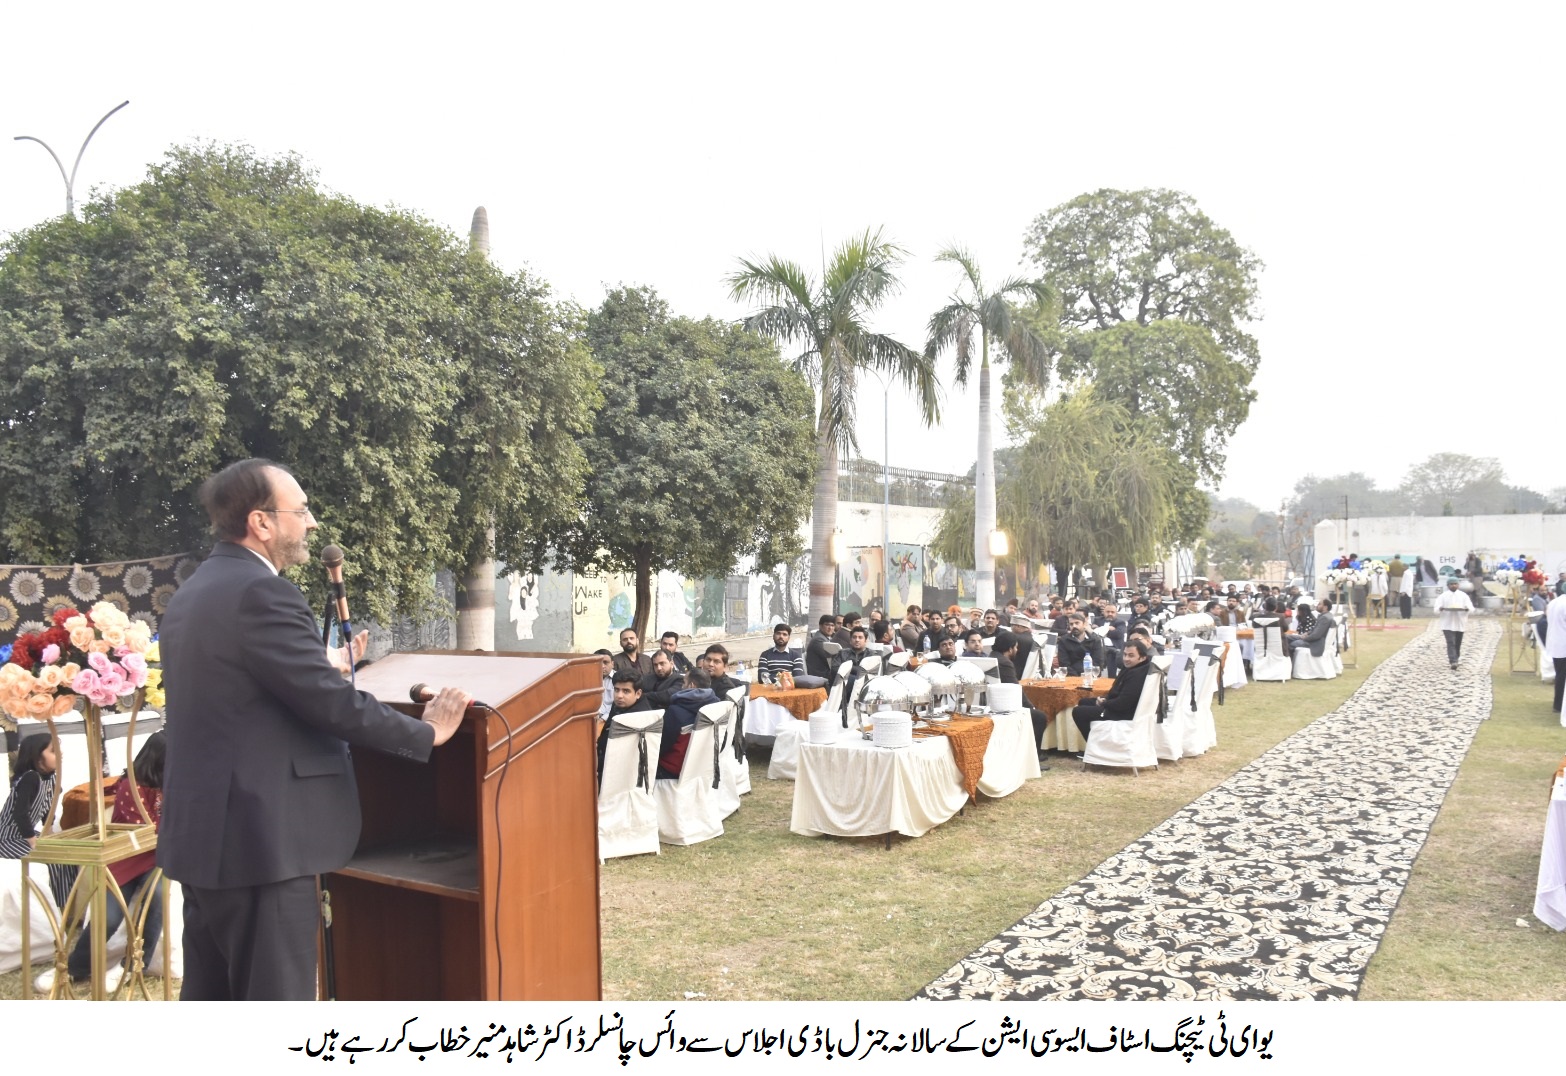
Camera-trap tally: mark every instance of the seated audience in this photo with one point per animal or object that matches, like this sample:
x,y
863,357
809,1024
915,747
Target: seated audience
x,y
1316,637
948,650
715,660
678,717
817,661
631,658
973,644
1079,643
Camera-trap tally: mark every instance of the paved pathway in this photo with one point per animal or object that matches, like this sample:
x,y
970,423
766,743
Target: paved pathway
x,y
1276,884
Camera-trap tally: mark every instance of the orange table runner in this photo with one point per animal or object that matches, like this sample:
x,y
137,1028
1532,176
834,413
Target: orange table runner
x,y
801,702
1054,696
970,738
1245,633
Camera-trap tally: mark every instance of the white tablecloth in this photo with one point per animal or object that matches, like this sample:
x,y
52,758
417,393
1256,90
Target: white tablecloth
x,y
763,718
1549,904
1012,757
852,788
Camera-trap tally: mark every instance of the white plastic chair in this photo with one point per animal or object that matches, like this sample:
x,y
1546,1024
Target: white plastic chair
x,y
687,807
1272,662
627,811
1128,743
740,746
1201,731
726,793
1308,666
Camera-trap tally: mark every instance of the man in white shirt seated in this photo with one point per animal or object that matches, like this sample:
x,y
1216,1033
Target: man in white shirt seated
x,y
606,661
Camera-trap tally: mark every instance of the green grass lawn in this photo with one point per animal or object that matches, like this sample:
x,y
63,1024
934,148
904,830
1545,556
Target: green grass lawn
x,y
1464,928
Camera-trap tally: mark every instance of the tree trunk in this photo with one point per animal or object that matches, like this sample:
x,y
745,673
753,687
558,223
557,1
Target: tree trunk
x,y
476,603
643,611
823,522
984,491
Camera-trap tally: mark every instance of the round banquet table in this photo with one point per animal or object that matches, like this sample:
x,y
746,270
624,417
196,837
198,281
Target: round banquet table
x,y
1056,698
771,708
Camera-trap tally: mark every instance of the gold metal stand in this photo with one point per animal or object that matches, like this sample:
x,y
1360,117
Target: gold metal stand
x,y
93,848
1348,653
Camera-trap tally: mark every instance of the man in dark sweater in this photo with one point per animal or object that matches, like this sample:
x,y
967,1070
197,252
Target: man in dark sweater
x,y
1121,702
627,700
660,685
678,717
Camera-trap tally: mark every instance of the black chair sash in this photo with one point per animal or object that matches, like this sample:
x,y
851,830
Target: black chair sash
x,y
643,774
703,721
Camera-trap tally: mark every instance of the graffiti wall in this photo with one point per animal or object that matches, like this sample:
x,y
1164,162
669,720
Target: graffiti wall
x,y
861,581
905,578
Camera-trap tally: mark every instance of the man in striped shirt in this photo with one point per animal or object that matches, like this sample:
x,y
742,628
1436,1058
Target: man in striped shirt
x,y
780,657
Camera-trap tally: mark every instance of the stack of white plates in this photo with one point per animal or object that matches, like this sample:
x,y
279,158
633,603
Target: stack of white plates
x,y
1004,698
825,726
893,729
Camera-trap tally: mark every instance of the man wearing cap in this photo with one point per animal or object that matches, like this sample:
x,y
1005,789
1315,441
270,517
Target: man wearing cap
x,y
1453,607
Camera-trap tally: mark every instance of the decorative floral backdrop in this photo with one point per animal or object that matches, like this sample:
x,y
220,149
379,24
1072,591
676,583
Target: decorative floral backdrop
x,y
30,593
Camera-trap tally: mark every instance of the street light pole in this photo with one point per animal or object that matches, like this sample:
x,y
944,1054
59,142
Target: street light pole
x,y
70,180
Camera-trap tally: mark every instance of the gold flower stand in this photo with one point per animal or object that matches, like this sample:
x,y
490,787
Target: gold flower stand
x,y
94,848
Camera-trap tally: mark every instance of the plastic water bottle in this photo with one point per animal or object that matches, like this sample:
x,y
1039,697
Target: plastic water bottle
x,y
1088,676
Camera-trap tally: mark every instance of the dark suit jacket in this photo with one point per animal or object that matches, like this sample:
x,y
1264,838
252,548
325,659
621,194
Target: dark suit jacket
x,y
258,784
817,661
1124,694
1317,635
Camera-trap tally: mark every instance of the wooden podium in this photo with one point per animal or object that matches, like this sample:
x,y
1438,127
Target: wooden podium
x,y
476,875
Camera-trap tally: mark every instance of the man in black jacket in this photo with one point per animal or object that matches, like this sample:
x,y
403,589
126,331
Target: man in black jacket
x,y
1124,695
627,700
1005,653
817,661
1077,644
261,796
660,685
716,663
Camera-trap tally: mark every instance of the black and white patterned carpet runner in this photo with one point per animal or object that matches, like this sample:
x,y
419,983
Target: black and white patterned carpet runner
x,y
1277,884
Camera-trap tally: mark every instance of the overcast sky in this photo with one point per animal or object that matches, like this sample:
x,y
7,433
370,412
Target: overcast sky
x,y
1392,170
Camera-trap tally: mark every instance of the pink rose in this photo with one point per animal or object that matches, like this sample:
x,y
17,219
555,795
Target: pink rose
x,y
114,681
84,682
99,662
135,667
102,697
51,654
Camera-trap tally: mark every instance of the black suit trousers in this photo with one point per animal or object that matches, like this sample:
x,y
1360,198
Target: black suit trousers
x,y
251,943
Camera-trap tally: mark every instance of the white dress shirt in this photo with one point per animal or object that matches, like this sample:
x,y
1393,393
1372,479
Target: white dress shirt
x,y
1555,637
1453,607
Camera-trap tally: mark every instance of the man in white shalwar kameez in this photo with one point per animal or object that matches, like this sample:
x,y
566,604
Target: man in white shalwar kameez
x,y
1555,645
1453,608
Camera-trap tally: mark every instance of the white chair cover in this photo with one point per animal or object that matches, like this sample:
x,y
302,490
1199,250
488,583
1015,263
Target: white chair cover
x,y
687,807
1128,743
1201,732
898,660
740,697
726,793
1272,659
627,811
784,765
1308,666
1234,661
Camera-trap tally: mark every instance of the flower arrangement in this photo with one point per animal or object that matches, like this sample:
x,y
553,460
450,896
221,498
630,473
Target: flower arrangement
x,y
100,657
1338,577
1375,567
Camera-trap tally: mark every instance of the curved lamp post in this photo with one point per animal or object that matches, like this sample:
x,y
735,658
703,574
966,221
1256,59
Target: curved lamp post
x,y
70,180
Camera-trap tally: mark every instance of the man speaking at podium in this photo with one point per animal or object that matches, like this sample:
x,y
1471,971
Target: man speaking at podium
x,y
259,789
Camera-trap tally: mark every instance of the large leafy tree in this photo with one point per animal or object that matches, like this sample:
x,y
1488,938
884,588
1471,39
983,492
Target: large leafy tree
x,y
990,315
1088,485
829,319
1152,303
226,307
700,454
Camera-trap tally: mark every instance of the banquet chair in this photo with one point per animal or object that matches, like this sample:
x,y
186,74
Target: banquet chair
x,y
785,747
899,660
1129,743
1233,664
1308,666
1201,731
687,806
627,811
725,789
1271,662
740,697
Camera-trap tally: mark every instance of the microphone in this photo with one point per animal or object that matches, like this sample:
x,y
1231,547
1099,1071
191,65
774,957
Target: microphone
x,y
421,693
332,561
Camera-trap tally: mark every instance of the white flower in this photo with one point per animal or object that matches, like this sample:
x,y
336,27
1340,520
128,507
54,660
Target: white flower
x,y
138,580
84,586
27,588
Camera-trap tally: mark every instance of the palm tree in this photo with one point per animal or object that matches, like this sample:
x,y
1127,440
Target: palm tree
x,y
829,318
991,313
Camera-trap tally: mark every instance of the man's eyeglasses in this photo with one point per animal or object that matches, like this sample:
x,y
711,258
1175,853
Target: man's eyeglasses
x,y
288,511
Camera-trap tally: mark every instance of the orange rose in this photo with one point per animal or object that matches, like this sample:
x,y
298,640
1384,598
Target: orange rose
x,y
74,622
39,705
63,704
114,636
69,670
82,637
98,646
51,677
138,637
